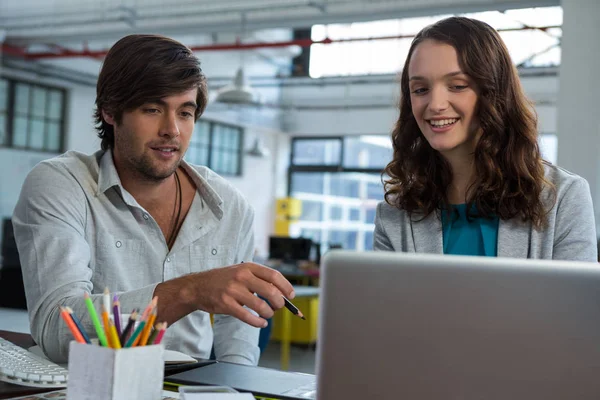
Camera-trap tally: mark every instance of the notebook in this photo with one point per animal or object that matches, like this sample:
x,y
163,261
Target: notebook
x,y
264,382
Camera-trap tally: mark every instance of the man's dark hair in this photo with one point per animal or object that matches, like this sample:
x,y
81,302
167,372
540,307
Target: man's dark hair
x,y
142,68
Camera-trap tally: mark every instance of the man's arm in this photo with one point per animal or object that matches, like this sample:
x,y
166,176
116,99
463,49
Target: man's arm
x,y
49,223
234,340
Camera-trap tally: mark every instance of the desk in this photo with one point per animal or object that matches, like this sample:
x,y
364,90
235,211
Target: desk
x,y
286,320
8,390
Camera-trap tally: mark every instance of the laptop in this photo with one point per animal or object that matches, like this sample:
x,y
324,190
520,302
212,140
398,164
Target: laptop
x,y
416,326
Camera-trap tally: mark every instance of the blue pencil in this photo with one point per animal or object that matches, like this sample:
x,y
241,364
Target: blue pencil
x,y
78,325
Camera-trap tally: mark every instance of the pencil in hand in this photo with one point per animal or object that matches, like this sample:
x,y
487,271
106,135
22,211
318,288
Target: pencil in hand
x,y
292,308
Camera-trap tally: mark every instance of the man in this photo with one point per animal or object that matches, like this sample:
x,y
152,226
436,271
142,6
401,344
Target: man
x,y
136,218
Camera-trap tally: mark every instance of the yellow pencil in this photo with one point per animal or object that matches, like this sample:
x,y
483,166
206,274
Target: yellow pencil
x,y
114,336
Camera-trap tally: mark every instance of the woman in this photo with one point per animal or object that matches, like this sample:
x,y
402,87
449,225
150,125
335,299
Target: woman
x,y
467,175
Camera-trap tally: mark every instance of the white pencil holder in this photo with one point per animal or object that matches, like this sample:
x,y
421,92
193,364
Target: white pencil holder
x,y
102,373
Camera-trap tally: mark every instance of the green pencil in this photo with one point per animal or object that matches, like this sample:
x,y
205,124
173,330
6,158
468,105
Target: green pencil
x,y
135,335
95,320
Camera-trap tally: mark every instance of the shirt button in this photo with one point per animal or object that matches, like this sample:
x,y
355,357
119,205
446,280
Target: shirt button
x,y
146,216
214,252
118,244
168,259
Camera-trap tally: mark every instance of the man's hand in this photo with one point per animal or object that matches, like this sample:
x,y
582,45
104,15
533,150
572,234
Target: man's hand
x,y
225,291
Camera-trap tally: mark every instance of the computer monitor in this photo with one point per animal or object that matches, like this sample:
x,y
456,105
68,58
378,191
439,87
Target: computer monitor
x,y
416,326
289,249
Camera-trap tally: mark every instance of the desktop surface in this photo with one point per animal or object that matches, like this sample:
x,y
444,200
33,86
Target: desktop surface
x,y
430,327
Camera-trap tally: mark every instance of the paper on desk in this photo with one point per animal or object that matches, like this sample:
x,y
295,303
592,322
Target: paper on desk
x,y
216,396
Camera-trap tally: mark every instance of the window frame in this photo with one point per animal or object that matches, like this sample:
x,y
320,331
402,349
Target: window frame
x,y
211,149
11,115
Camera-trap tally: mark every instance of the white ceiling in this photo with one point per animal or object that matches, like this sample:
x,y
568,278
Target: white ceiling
x,y
55,25
27,22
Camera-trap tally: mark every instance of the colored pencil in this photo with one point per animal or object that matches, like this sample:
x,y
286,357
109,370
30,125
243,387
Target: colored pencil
x,y
117,314
95,320
125,334
78,324
71,325
136,335
146,332
114,336
161,332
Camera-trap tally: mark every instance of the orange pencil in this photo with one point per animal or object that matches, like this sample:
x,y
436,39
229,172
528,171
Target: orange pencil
x,y
147,329
106,323
69,321
149,308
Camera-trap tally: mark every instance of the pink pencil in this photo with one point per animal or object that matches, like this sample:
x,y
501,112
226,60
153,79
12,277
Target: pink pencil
x,y
161,332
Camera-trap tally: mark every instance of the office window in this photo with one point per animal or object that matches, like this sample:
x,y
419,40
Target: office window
x,y
528,47
217,146
31,116
338,180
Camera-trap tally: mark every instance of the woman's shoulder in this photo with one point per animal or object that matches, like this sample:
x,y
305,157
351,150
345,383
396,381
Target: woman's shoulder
x,y
387,212
569,188
563,179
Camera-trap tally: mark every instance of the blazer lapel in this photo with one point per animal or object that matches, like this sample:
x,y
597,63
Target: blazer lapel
x,y
514,238
427,234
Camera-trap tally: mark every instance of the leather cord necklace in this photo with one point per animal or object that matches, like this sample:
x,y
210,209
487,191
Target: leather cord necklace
x,y
177,211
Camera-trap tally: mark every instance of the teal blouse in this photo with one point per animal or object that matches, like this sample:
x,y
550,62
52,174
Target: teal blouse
x,y
474,237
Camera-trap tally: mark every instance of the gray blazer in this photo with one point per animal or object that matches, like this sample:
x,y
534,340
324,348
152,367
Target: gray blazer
x,y
570,233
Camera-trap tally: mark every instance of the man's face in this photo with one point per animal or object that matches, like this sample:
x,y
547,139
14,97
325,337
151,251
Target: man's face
x,y
152,139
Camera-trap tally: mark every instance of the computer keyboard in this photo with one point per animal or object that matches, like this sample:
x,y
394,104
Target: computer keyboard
x,y
22,367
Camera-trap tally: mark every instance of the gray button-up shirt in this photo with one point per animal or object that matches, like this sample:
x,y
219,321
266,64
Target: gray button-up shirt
x,y
78,230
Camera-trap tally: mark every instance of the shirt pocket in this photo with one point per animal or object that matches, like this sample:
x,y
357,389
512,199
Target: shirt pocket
x,y
122,262
205,257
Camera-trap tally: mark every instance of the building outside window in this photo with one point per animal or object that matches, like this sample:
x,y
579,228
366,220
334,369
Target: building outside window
x,y
338,180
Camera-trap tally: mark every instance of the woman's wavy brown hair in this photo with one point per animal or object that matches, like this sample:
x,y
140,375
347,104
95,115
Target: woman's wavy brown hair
x,y
509,167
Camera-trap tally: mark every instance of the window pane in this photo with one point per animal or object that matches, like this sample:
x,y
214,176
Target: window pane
x,y
306,182
2,129
335,213
367,151
350,199
55,106
3,95
202,156
53,136
345,239
39,102
20,132
201,133
345,185
311,211
316,151
36,137
368,240
370,216
22,99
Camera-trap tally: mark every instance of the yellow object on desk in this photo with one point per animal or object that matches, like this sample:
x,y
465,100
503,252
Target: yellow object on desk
x,y
289,329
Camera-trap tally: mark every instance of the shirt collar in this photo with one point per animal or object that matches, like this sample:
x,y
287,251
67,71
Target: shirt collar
x,y
109,177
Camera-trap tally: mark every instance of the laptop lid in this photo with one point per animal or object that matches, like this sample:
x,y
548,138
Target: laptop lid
x,y
416,326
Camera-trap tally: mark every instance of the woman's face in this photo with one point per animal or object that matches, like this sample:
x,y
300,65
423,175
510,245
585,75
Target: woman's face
x,y
443,99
